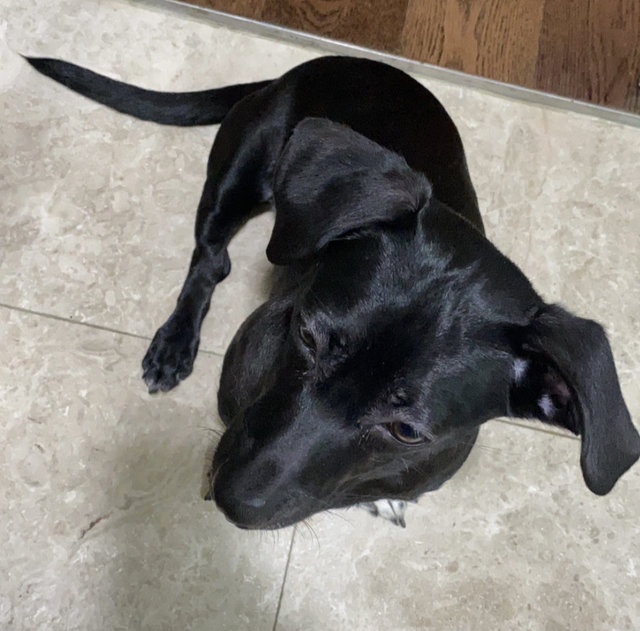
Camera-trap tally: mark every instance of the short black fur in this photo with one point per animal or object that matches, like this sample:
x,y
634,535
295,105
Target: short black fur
x,y
394,328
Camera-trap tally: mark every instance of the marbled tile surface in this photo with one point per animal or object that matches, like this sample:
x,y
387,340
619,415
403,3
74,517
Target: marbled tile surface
x,y
101,519
514,541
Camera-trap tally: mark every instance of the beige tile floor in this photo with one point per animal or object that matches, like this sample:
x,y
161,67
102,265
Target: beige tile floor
x,y
101,519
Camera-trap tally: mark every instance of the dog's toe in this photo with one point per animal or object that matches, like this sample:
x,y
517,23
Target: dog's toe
x,y
169,359
391,510
160,379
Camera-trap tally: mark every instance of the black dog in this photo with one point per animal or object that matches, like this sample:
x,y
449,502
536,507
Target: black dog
x,y
394,328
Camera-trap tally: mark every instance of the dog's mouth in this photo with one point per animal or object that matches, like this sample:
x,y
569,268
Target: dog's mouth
x,y
275,526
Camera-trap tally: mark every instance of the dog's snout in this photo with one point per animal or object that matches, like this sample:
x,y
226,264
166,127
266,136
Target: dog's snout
x,y
245,495
240,510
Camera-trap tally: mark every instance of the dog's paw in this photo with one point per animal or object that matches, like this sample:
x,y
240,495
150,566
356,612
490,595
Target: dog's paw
x,y
392,510
170,357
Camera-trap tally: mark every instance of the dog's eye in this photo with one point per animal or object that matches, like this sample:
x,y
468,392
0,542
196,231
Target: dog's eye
x,y
307,338
404,433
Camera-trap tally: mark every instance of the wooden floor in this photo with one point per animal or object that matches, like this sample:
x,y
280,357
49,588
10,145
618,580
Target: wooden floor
x,y
583,49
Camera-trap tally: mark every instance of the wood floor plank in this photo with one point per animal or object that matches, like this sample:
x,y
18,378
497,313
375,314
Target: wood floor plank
x,y
491,38
369,23
590,50
583,49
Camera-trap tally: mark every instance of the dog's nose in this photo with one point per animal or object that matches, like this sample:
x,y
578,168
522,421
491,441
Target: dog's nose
x,y
255,502
245,512
241,498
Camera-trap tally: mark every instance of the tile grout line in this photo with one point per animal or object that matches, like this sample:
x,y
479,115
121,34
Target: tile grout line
x,y
90,325
543,430
284,579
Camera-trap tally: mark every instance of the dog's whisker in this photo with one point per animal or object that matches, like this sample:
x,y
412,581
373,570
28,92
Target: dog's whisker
x,y
307,524
211,430
319,500
488,448
335,513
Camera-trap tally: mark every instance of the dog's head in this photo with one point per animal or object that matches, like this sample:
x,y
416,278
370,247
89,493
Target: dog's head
x,y
407,330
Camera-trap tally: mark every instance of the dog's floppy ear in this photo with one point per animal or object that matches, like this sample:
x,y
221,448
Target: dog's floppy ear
x,y
564,374
331,180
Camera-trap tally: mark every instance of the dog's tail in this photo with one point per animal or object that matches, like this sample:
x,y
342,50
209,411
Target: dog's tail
x,y
185,109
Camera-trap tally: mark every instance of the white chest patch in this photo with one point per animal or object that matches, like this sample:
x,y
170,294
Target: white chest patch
x,y
391,510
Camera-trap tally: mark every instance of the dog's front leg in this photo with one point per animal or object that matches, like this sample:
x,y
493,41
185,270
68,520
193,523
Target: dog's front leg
x,y
238,178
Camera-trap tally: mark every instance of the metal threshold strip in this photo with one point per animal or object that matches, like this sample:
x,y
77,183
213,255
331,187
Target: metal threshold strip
x,y
429,71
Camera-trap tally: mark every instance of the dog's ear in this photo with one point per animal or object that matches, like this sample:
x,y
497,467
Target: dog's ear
x,y
331,180
564,374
